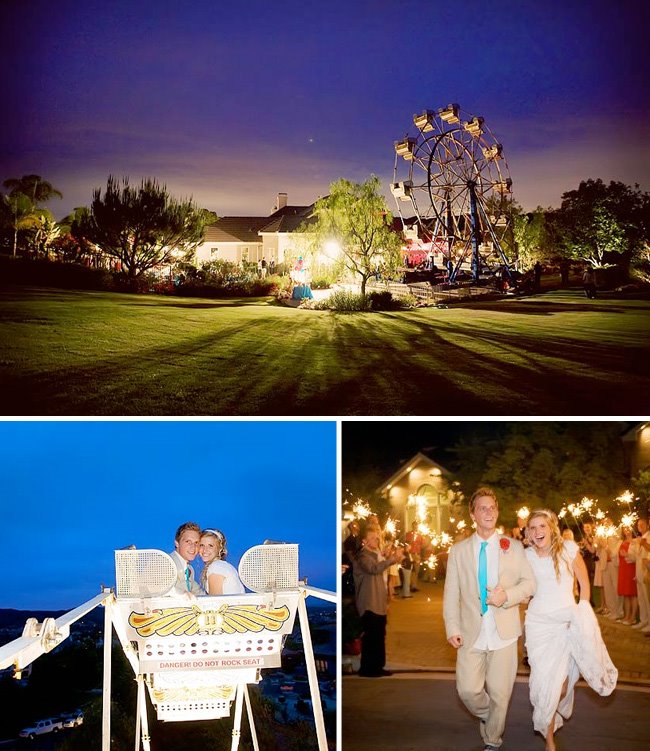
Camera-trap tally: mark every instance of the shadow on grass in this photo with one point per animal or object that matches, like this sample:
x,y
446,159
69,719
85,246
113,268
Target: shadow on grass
x,y
547,308
370,364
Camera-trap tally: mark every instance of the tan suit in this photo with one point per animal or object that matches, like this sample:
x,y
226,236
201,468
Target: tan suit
x,y
180,587
485,678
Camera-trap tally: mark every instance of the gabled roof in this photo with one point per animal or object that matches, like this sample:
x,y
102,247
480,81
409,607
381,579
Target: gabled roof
x,y
237,229
231,229
407,466
631,433
302,211
287,223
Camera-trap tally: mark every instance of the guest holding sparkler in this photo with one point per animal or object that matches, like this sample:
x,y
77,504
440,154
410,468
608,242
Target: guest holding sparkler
x,y
372,600
641,551
562,638
627,579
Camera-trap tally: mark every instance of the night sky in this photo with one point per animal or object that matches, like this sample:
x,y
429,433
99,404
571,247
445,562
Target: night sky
x,y
233,102
75,491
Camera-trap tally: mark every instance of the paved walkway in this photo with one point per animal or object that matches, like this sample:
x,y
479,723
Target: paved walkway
x,y
417,709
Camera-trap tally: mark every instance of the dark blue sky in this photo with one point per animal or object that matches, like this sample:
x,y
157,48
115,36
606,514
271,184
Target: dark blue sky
x,y
75,491
234,102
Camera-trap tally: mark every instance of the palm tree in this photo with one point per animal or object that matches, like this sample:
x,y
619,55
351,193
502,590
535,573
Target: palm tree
x,y
21,214
32,186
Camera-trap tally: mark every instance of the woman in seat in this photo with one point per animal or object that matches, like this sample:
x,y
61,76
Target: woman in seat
x,y
218,577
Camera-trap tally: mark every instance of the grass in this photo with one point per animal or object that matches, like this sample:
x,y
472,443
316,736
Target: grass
x,y
96,353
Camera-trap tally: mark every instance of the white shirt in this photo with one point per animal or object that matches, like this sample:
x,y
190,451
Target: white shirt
x,y
488,637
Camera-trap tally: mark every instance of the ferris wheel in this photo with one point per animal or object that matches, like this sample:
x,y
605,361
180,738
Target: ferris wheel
x,y
454,178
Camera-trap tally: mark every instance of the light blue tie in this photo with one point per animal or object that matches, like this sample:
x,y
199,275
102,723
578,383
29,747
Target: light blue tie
x,y
187,578
482,577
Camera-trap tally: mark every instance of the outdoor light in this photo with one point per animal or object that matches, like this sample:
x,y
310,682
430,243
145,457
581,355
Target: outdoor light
x,y
424,121
405,148
436,472
474,126
450,113
523,513
331,249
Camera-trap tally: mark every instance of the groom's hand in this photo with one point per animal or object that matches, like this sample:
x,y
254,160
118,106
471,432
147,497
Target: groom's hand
x,y
456,641
496,596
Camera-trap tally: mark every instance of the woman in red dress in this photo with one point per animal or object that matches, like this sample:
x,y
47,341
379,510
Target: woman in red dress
x,y
627,580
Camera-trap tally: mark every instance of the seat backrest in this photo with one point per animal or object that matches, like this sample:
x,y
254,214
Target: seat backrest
x,y
270,567
144,573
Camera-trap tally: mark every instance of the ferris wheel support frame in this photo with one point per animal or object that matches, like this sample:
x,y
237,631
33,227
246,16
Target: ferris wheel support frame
x,y
39,639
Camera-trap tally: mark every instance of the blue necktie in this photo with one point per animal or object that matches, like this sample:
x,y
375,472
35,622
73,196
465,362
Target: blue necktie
x,y
187,578
482,576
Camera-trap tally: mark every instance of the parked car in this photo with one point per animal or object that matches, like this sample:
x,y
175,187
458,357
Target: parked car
x,y
49,725
72,719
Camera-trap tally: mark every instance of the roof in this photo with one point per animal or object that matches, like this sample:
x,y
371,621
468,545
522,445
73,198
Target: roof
x,y
407,466
287,223
231,229
302,211
237,229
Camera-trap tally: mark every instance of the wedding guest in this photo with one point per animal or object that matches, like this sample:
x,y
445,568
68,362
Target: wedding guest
x,y
642,554
371,593
627,579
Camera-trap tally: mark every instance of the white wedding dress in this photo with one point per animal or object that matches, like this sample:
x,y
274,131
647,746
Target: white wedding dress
x,y
563,640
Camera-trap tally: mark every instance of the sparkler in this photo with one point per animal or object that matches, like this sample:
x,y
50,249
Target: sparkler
x,y
391,527
629,520
361,509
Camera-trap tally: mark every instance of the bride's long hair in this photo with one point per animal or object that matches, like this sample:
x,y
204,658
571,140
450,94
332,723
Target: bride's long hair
x,y
557,541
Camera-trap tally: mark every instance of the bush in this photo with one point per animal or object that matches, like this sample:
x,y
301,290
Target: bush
x,y
345,301
224,279
54,274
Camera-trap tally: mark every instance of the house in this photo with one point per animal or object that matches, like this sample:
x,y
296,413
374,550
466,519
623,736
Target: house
x,y
636,446
251,238
421,481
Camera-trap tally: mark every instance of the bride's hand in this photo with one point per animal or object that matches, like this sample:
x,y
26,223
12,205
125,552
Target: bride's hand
x,y
496,596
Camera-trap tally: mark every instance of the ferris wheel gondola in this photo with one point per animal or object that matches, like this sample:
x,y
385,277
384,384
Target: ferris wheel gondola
x,y
454,178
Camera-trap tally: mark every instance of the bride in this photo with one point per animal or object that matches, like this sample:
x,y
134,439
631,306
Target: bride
x,y
563,638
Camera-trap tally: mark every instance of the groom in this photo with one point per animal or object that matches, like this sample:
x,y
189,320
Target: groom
x,y
487,577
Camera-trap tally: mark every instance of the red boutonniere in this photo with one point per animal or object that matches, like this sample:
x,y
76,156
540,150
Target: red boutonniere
x,y
504,544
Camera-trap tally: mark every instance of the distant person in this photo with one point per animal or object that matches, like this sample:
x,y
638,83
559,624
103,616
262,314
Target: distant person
x,y
264,267
563,638
589,282
218,577
415,541
186,544
272,266
370,567
487,577
537,276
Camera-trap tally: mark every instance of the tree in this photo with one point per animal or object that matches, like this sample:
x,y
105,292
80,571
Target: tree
x,y
34,187
532,237
546,464
18,214
603,224
141,227
21,209
355,218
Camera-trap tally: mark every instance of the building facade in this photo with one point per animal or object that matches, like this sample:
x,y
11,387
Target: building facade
x,y
421,483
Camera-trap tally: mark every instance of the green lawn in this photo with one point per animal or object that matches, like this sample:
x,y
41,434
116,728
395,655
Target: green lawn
x,y
95,353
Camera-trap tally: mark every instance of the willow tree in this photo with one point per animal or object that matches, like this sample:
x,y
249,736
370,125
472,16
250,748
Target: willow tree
x,y
354,217
141,227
